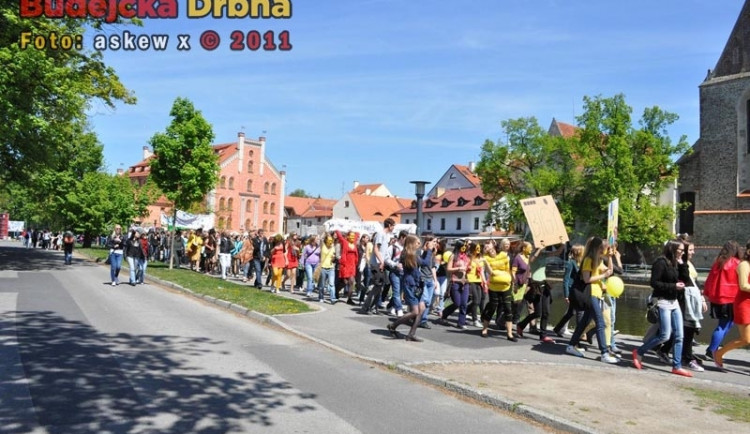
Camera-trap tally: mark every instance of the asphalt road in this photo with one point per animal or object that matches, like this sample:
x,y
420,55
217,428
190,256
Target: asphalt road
x,y
78,355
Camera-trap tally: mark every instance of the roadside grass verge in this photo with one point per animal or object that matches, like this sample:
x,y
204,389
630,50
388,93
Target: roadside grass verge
x,y
726,403
242,295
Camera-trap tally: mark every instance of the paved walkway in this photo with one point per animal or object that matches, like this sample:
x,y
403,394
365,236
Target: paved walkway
x,y
535,380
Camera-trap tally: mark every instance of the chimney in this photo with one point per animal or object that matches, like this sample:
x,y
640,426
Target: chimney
x,y
368,192
241,150
147,152
356,184
472,166
439,191
262,141
120,172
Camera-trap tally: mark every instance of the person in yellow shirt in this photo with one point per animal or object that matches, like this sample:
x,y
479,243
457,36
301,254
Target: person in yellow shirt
x,y
500,294
594,272
477,284
327,270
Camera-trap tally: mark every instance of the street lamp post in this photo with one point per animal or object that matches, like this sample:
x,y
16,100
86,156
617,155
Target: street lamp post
x,y
419,192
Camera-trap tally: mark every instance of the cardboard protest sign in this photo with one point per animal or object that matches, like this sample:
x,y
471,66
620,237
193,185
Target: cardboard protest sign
x,y
544,220
612,216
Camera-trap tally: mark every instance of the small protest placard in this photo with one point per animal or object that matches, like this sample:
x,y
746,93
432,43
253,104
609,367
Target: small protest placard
x,y
544,220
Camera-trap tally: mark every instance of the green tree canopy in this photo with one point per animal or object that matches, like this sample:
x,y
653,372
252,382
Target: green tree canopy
x,y
300,192
44,94
607,158
185,167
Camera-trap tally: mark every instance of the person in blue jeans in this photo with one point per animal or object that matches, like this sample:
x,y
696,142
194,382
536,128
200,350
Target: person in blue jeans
x,y
667,286
116,245
427,276
594,272
395,267
311,260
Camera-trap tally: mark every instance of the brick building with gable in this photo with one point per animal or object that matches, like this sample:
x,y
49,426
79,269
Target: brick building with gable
x,y
249,193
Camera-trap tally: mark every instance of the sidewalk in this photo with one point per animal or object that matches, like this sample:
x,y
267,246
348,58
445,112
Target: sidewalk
x,y
534,380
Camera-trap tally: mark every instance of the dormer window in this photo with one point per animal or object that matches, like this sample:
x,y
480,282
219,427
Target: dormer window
x,y
413,204
429,204
452,175
445,203
462,201
479,201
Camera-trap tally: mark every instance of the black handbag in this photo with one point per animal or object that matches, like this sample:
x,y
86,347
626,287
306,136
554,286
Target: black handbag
x,y
652,312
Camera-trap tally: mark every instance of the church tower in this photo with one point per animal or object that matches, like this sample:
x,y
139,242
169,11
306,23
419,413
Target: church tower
x,y
715,177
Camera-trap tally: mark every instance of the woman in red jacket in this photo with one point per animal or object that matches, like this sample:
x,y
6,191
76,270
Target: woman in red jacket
x,y
348,262
741,310
721,291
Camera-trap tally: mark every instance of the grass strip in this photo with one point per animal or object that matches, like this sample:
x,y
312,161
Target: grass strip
x,y
242,295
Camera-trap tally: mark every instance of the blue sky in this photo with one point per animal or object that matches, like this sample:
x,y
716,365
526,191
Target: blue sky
x,y
392,91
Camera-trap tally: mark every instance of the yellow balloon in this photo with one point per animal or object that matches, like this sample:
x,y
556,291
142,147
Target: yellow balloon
x,y
615,286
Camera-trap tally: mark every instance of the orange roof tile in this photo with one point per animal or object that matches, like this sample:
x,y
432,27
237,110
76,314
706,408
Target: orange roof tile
x,y
376,208
362,189
471,176
309,207
566,130
464,199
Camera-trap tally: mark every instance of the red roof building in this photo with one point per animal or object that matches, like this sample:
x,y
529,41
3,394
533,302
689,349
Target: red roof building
x,y
249,194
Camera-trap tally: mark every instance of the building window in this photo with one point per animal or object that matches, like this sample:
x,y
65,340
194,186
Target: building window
x,y
407,221
248,206
229,222
273,188
265,225
272,208
318,219
747,126
231,183
265,188
223,182
221,222
230,204
272,226
249,185
222,204
429,224
458,224
247,223
476,223
265,207
442,224
346,204
250,166
309,223
250,154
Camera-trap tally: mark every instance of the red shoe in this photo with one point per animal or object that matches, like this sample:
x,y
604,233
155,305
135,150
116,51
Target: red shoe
x,y
519,331
547,340
637,360
682,372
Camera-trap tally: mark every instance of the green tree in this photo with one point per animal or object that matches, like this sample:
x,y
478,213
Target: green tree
x,y
300,192
185,166
634,164
530,163
44,94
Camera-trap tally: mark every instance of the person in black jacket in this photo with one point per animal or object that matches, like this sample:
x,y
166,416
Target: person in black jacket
x,y
666,285
133,253
260,253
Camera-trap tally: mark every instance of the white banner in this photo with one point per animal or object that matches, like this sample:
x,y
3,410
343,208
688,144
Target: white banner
x,y
16,226
348,225
189,221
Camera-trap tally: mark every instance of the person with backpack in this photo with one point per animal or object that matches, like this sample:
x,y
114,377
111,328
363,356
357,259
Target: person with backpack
x,y
721,289
572,267
593,272
68,242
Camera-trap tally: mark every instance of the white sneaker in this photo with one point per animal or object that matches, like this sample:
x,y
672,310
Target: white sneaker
x,y
478,323
606,358
570,349
400,313
695,366
114,283
392,311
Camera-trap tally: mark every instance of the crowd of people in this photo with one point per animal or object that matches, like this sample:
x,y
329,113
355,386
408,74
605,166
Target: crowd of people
x,y
410,277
